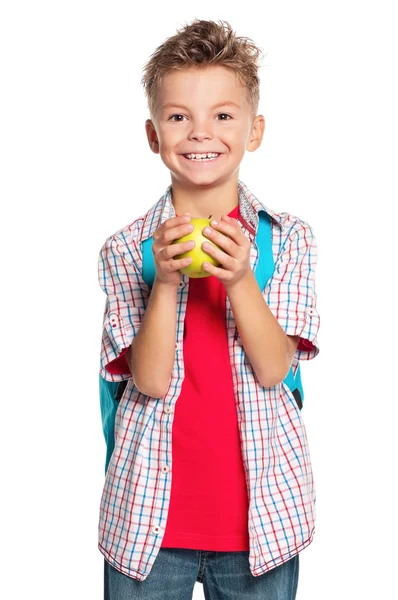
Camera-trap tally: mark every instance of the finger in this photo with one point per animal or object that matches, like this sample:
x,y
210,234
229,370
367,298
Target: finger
x,y
177,232
176,222
172,265
221,239
216,271
180,263
171,223
225,259
231,227
175,249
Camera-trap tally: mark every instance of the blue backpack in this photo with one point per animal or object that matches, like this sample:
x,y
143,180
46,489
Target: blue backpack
x,y
112,391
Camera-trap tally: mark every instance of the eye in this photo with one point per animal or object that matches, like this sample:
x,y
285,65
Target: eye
x,y
172,117
179,115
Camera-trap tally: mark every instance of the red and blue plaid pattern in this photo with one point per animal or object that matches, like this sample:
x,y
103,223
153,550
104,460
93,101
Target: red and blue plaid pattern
x,y
136,493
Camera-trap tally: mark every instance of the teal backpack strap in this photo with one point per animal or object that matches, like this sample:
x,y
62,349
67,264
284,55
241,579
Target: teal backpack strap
x,y
265,264
110,394
148,262
264,271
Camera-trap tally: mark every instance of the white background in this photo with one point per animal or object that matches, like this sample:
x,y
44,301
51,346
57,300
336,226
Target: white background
x,y
76,167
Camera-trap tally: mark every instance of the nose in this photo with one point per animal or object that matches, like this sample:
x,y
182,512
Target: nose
x,y
200,135
200,131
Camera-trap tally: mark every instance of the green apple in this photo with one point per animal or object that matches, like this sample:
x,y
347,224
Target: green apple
x,y
198,255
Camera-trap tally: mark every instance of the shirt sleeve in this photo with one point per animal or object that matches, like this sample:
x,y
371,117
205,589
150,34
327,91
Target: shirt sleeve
x,y
290,293
120,278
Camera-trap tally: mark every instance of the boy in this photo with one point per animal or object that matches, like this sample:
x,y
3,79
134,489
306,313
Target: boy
x,y
210,479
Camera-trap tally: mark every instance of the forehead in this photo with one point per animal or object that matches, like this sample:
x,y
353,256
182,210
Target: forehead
x,y
213,82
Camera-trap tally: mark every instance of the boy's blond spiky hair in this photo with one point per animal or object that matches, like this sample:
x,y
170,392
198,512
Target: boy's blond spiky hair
x,y
201,44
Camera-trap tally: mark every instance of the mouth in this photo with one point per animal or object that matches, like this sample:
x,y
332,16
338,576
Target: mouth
x,y
201,161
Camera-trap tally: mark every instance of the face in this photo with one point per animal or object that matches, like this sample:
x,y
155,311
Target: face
x,y
201,111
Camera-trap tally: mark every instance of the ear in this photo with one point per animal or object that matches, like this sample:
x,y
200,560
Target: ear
x,y
152,136
256,133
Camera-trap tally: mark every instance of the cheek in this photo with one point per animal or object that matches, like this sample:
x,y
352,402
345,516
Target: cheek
x,y
235,138
169,135
169,146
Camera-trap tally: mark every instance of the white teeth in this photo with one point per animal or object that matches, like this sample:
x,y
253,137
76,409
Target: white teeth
x,y
202,156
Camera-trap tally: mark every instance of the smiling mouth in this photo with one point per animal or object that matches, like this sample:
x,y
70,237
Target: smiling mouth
x,y
197,161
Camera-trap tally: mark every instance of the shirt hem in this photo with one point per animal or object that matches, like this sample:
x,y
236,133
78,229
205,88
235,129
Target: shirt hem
x,y
256,572
201,537
267,566
205,546
133,573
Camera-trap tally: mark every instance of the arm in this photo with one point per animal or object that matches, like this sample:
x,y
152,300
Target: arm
x,y
152,352
282,322
269,349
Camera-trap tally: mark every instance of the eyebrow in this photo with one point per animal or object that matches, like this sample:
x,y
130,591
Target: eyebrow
x,y
227,103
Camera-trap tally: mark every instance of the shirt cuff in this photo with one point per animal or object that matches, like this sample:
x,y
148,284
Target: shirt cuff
x,y
306,326
117,337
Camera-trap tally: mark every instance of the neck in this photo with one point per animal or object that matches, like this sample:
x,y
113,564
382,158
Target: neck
x,y
204,201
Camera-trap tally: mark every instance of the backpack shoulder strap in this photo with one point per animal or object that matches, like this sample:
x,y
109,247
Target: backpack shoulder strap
x,y
108,405
264,271
111,393
148,262
265,264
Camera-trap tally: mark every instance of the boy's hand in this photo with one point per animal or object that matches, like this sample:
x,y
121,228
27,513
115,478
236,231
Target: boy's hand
x,y
167,269
235,254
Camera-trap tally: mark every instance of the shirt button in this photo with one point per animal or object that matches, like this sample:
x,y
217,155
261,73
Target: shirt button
x,y
311,311
165,469
113,319
156,529
167,409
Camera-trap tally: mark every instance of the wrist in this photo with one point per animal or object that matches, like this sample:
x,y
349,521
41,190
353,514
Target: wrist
x,y
242,283
164,286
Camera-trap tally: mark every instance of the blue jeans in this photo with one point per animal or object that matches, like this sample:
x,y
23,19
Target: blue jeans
x,y
225,576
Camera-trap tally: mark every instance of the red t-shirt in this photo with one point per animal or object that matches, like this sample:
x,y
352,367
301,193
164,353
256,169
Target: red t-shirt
x,y
209,501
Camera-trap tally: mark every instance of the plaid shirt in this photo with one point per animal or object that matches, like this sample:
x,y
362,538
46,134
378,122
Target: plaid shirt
x,y
275,453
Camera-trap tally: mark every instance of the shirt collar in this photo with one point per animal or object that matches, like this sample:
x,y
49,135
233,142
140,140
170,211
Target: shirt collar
x,y
249,208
